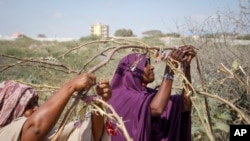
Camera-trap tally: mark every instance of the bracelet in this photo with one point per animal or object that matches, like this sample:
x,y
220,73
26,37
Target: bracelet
x,y
168,76
168,70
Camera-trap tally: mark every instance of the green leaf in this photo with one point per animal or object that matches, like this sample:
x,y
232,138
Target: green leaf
x,y
235,65
226,116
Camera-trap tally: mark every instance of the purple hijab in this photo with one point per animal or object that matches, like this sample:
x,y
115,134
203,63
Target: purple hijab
x,y
132,102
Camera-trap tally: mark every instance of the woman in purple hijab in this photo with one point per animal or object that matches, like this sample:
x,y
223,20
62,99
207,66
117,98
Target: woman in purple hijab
x,y
149,114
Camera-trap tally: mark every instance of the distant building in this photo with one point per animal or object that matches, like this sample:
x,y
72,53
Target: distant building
x,y
16,35
100,30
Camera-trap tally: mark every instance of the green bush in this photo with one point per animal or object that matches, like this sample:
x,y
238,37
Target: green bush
x,y
153,41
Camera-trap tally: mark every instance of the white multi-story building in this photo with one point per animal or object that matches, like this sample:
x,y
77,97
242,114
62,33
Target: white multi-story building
x,y
100,30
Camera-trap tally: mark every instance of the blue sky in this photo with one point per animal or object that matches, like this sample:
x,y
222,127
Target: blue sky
x,y
73,18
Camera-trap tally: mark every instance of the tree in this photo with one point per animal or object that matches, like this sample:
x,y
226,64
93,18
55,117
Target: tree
x,y
173,34
124,33
153,33
90,38
41,36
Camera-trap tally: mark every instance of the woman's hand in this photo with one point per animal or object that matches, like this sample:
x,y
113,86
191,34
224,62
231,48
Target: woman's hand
x,y
183,54
177,54
189,52
104,90
82,82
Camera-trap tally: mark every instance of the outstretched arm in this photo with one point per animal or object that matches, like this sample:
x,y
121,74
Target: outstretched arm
x,y
161,99
40,123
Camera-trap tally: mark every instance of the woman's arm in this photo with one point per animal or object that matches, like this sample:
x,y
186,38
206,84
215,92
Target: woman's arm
x,y
189,55
98,125
187,103
161,98
40,123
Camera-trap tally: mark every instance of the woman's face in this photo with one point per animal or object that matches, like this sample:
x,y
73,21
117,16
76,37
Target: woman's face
x,y
148,75
30,108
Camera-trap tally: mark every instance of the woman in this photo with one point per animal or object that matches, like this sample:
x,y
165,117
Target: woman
x,y
151,115
22,119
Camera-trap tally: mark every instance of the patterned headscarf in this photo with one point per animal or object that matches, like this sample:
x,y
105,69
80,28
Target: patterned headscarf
x,y
14,97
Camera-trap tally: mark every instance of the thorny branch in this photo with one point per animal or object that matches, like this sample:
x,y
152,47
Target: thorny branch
x,y
187,86
195,100
113,116
244,117
32,60
202,80
92,58
112,52
85,44
38,86
230,74
5,67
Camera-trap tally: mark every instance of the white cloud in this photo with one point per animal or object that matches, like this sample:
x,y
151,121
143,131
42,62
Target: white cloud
x,y
58,15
